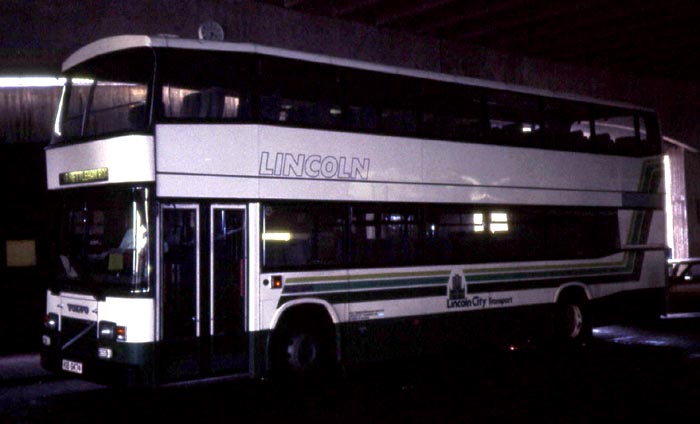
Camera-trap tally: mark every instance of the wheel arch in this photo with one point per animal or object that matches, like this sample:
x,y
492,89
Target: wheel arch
x,y
572,289
297,311
298,304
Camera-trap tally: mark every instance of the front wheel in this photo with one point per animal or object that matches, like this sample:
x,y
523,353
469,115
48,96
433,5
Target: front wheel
x,y
303,351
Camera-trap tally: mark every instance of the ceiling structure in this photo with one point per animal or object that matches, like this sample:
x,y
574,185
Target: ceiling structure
x,y
640,37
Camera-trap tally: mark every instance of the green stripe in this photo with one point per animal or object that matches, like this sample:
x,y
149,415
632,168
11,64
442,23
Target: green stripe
x,y
386,275
364,285
555,267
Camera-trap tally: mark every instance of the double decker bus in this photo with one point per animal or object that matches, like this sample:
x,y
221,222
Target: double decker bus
x,y
229,209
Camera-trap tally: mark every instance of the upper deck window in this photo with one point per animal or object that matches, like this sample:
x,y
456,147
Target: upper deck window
x,y
111,94
203,86
106,95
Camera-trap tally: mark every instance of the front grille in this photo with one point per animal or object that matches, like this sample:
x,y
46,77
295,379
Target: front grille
x,y
78,337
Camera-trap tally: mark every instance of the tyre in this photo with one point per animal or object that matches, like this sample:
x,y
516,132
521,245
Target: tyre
x,y
572,321
303,349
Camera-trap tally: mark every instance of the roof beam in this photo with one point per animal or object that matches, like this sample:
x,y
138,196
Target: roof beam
x,y
475,12
352,6
291,4
526,19
405,13
593,34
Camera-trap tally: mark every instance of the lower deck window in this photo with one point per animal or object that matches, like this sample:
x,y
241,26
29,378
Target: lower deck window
x,y
303,236
330,235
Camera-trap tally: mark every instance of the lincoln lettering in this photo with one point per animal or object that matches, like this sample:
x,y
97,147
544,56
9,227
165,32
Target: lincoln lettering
x,y
313,166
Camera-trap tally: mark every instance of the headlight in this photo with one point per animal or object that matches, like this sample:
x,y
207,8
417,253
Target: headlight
x,y
51,321
108,330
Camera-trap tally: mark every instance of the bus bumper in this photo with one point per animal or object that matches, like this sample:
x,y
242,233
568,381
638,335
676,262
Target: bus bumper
x,y
123,364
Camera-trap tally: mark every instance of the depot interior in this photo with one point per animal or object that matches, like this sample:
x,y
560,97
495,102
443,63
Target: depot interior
x,y
642,52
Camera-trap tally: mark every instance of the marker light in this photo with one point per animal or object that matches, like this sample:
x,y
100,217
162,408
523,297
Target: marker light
x,y
276,281
121,334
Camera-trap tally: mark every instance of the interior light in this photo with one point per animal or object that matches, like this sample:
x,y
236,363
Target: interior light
x,y
499,217
499,222
498,227
277,236
478,220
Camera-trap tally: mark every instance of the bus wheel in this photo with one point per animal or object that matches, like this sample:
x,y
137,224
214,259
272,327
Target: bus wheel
x,y
303,349
572,321
303,352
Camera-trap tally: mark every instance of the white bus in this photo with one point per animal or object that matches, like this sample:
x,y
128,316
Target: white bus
x,y
233,209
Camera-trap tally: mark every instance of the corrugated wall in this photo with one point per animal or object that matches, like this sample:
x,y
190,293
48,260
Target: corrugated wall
x,y
27,113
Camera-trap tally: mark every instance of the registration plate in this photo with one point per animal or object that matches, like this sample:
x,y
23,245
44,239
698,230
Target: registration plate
x,y
71,366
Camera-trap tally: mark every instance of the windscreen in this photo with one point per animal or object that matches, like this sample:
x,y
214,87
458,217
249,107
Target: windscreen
x,y
102,243
107,95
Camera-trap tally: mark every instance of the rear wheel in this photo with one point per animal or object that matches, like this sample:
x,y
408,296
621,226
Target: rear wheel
x,y
572,320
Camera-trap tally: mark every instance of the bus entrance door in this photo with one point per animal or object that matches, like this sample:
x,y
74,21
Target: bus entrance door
x,y
202,293
227,290
178,352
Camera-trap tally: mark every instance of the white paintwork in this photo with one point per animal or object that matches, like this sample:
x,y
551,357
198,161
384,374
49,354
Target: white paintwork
x,y
253,288
128,159
344,312
136,314
235,161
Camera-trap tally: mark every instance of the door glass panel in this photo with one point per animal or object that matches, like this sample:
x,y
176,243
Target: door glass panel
x,y
179,273
228,342
228,266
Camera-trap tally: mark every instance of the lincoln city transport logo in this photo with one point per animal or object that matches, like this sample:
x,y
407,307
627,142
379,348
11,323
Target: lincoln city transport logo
x,y
457,292
458,296
457,287
313,166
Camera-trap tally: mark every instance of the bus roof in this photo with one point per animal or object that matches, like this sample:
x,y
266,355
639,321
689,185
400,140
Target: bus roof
x,y
123,42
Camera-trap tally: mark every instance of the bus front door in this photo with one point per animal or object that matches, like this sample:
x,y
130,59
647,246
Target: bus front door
x,y
202,292
227,290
